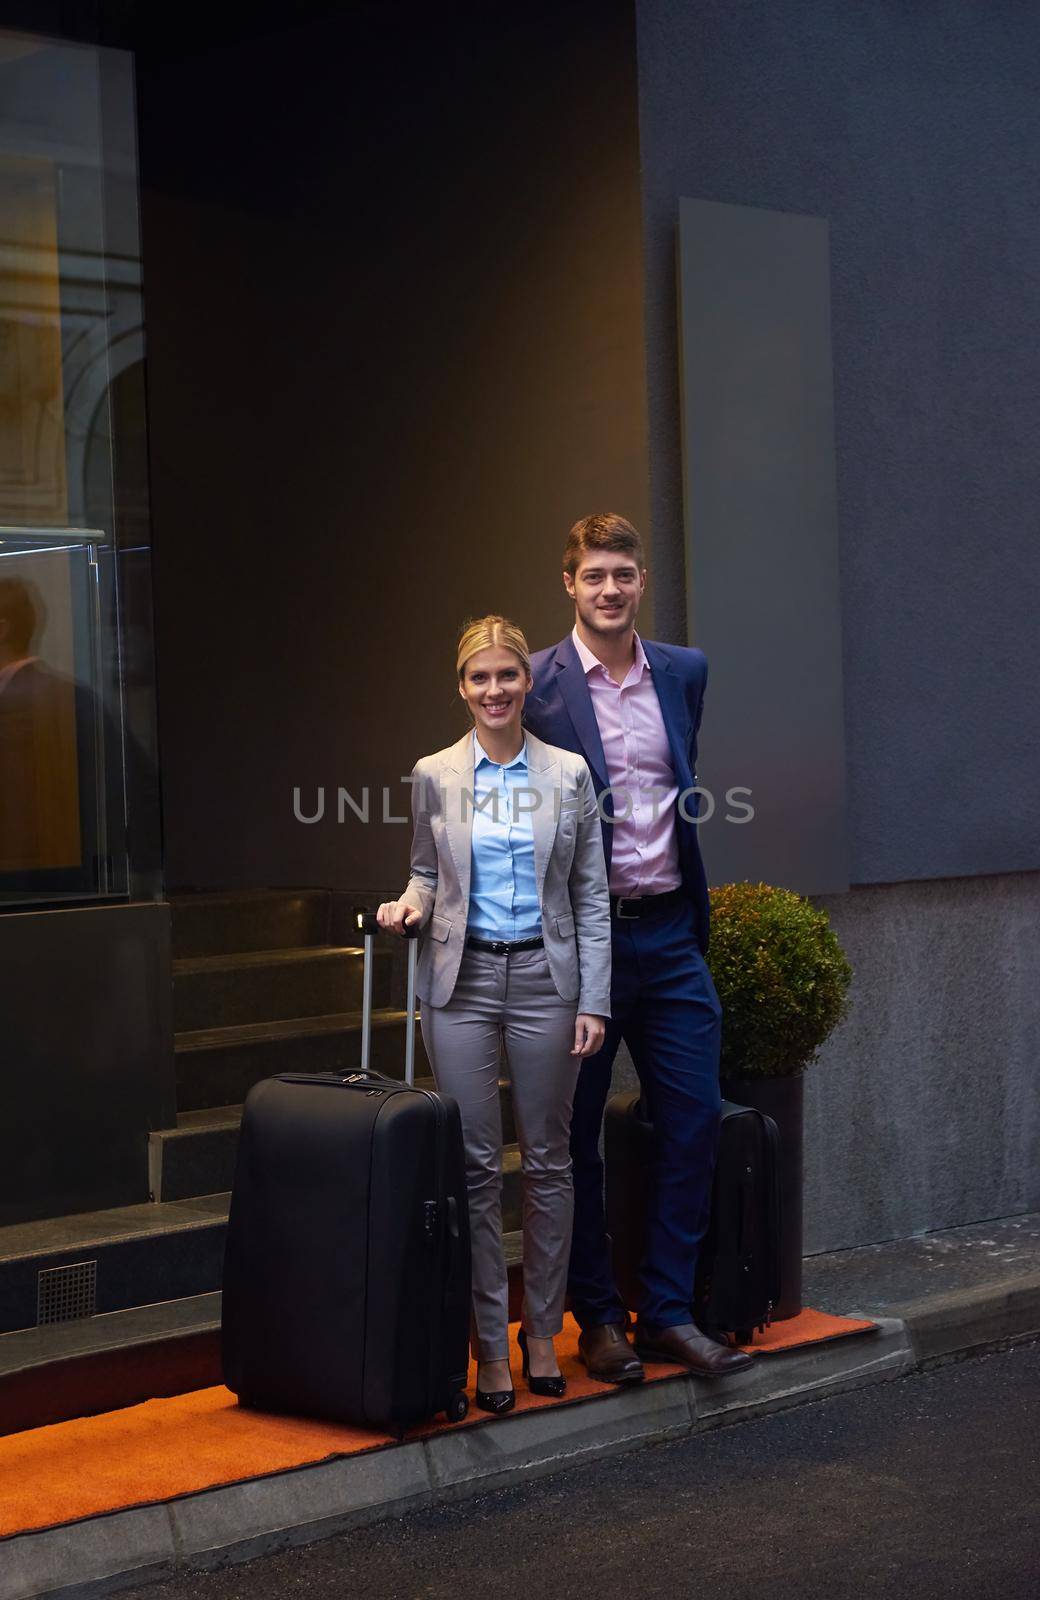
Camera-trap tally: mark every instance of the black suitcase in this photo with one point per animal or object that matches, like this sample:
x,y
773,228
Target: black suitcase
x,y
347,1264
738,1267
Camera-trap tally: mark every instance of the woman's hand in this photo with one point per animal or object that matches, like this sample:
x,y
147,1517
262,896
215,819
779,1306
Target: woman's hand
x,y
588,1034
397,915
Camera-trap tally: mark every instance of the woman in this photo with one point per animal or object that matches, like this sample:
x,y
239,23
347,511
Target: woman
x,y
508,881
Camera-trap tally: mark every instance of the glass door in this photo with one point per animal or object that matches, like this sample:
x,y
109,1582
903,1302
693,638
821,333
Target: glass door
x,y
79,813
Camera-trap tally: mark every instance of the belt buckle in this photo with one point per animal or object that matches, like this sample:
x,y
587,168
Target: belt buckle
x,y
627,916
499,947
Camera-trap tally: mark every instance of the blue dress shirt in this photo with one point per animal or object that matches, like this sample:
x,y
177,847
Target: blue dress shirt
x,y
503,893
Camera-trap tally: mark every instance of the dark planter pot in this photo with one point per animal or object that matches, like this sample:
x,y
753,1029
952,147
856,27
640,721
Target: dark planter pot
x,y
783,1099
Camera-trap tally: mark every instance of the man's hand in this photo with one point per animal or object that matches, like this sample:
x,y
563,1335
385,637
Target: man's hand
x,y
397,915
588,1034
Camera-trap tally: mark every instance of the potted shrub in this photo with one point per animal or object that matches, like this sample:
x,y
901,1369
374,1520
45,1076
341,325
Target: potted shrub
x,y
782,979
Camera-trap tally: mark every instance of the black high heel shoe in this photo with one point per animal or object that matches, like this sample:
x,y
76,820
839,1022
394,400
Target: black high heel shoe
x,y
497,1401
553,1387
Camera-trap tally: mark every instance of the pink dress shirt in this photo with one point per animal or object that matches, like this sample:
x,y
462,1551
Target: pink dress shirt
x,y
644,852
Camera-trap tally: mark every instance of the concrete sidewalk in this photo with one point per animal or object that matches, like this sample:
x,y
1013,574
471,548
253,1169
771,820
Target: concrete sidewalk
x,y
956,1292
938,1297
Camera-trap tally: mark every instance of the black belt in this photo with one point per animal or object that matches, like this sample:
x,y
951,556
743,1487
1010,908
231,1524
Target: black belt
x,y
504,947
630,907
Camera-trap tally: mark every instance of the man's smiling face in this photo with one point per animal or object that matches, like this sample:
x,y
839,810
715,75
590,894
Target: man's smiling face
x,y
606,589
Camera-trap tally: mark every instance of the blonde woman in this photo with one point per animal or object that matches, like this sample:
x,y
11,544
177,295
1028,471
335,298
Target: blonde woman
x,y
509,886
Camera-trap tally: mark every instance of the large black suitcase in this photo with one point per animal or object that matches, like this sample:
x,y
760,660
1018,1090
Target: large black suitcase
x,y
738,1266
347,1264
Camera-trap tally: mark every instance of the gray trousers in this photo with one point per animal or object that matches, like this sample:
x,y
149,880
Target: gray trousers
x,y
511,997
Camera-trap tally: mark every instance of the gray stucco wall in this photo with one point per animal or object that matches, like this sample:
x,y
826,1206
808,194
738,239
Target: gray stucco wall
x,y
923,1111
914,130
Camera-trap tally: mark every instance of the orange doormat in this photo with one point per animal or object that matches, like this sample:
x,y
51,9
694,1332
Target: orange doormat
x,y
166,1448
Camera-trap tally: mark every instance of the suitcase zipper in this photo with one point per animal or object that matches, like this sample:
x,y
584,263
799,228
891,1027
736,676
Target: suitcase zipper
x,y
328,1079
775,1285
431,1211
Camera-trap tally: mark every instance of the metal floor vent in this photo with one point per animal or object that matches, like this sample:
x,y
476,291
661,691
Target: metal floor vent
x,y
65,1294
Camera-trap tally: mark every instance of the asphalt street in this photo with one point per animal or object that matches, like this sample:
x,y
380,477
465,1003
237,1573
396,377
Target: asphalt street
x,y
928,1487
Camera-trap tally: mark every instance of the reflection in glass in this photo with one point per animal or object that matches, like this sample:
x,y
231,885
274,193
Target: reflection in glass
x,y
39,797
78,791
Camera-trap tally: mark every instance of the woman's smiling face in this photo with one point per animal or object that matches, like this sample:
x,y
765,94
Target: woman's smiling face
x,y
494,685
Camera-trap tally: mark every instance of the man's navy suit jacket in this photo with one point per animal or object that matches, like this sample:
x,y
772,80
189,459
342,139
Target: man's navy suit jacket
x,y
559,710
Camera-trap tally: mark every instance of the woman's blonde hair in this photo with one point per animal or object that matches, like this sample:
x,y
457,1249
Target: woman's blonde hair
x,y
484,633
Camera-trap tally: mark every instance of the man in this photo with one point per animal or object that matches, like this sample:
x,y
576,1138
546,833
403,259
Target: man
x,y
632,709
39,783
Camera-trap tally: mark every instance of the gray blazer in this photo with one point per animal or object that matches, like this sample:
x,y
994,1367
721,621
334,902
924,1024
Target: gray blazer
x,y
569,869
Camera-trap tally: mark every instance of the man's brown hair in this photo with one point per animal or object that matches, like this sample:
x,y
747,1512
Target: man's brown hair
x,y
605,531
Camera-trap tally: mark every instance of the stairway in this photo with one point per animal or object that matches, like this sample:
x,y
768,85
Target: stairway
x,y
260,986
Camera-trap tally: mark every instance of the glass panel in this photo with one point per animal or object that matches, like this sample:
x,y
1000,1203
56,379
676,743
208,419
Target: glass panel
x,y
78,787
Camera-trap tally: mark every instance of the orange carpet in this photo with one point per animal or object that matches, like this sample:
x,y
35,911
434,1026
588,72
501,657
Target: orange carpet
x,y
165,1448
811,1327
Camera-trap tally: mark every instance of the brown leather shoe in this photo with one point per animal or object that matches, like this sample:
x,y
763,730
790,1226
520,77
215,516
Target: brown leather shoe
x,y
608,1355
686,1346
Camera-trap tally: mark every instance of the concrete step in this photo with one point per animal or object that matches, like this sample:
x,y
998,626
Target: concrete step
x,y
218,1066
131,1256
249,919
120,1358
78,1369
197,1157
136,1255
225,991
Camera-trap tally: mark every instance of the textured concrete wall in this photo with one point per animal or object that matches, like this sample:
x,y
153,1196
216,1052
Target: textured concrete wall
x,y
914,130
923,1111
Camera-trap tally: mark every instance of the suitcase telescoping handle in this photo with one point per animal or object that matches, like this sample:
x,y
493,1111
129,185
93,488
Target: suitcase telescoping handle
x,y
369,927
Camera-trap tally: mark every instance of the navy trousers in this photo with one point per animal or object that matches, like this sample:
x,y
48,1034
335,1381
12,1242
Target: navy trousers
x,y
665,1008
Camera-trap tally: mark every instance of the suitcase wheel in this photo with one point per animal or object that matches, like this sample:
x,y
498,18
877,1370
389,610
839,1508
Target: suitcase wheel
x,y
457,1407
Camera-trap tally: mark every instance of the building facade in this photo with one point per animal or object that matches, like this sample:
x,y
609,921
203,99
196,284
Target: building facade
x,y
319,333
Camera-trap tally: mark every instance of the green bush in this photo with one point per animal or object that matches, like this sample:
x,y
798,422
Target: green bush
x,y
781,976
